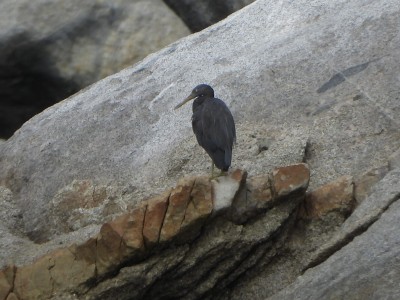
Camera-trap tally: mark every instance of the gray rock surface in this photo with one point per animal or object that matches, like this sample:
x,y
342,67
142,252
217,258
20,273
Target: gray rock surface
x,y
394,160
198,15
305,82
51,49
278,71
370,210
89,40
366,267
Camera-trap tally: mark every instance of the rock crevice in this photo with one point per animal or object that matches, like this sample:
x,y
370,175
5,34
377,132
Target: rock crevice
x,y
217,249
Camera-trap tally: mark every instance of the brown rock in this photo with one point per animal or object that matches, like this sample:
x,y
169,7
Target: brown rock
x,y
133,232
61,270
6,281
290,179
86,251
178,202
363,185
199,208
34,281
259,188
255,198
69,271
334,196
68,201
155,214
12,296
120,239
108,250
79,194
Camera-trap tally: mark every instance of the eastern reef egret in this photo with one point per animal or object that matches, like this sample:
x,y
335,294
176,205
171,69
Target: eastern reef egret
x,y
213,125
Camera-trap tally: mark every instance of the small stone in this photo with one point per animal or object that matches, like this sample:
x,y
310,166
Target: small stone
x,y
334,196
290,179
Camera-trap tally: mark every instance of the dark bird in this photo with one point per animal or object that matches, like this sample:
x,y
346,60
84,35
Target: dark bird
x,y
213,125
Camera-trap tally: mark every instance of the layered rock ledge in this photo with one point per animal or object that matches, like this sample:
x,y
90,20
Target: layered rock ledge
x,y
219,228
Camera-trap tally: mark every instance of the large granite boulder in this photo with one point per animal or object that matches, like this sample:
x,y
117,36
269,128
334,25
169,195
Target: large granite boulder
x,y
316,83
51,49
198,15
297,77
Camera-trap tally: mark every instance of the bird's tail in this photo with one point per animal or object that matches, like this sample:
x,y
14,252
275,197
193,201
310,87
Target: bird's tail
x,y
228,157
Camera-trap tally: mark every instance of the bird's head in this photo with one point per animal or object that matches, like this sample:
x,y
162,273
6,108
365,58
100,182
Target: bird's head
x,y
202,90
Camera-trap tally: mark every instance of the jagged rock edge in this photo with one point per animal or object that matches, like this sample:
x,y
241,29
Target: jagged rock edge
x,y
275,241
348,238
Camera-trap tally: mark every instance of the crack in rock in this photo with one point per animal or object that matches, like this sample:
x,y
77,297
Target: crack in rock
x,y
369,211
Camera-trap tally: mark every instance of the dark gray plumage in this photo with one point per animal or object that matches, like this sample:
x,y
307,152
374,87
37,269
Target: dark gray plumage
x,y
213,125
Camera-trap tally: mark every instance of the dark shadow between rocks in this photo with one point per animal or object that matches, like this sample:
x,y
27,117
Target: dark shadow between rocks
x,y
29,83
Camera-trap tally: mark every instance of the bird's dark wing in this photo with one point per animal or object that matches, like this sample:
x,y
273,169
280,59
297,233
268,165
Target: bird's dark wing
x,y
214,128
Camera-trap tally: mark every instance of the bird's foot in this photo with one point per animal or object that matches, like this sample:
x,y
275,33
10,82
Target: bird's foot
x,y
216,176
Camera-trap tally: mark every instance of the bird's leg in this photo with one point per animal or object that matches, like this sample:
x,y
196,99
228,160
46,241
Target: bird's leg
x,y
222,173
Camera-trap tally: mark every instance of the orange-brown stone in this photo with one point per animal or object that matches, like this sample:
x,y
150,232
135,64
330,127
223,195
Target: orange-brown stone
x,y
34,281
6,281
254,198
290,179
133,232
71,270
79,194
86,251
178,202
237,175
12,296
120,239
334,196
108,250
199,208
155,214
259,188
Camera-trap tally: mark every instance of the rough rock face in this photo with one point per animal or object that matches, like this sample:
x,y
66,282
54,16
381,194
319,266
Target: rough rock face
x,y
365,253
306,82
193,220
51,49
338,126
198,15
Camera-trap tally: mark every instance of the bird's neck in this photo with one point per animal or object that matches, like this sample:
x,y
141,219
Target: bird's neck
x,y
199,101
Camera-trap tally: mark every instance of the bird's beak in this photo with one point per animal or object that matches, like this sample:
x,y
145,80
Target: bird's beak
x,y
190,97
